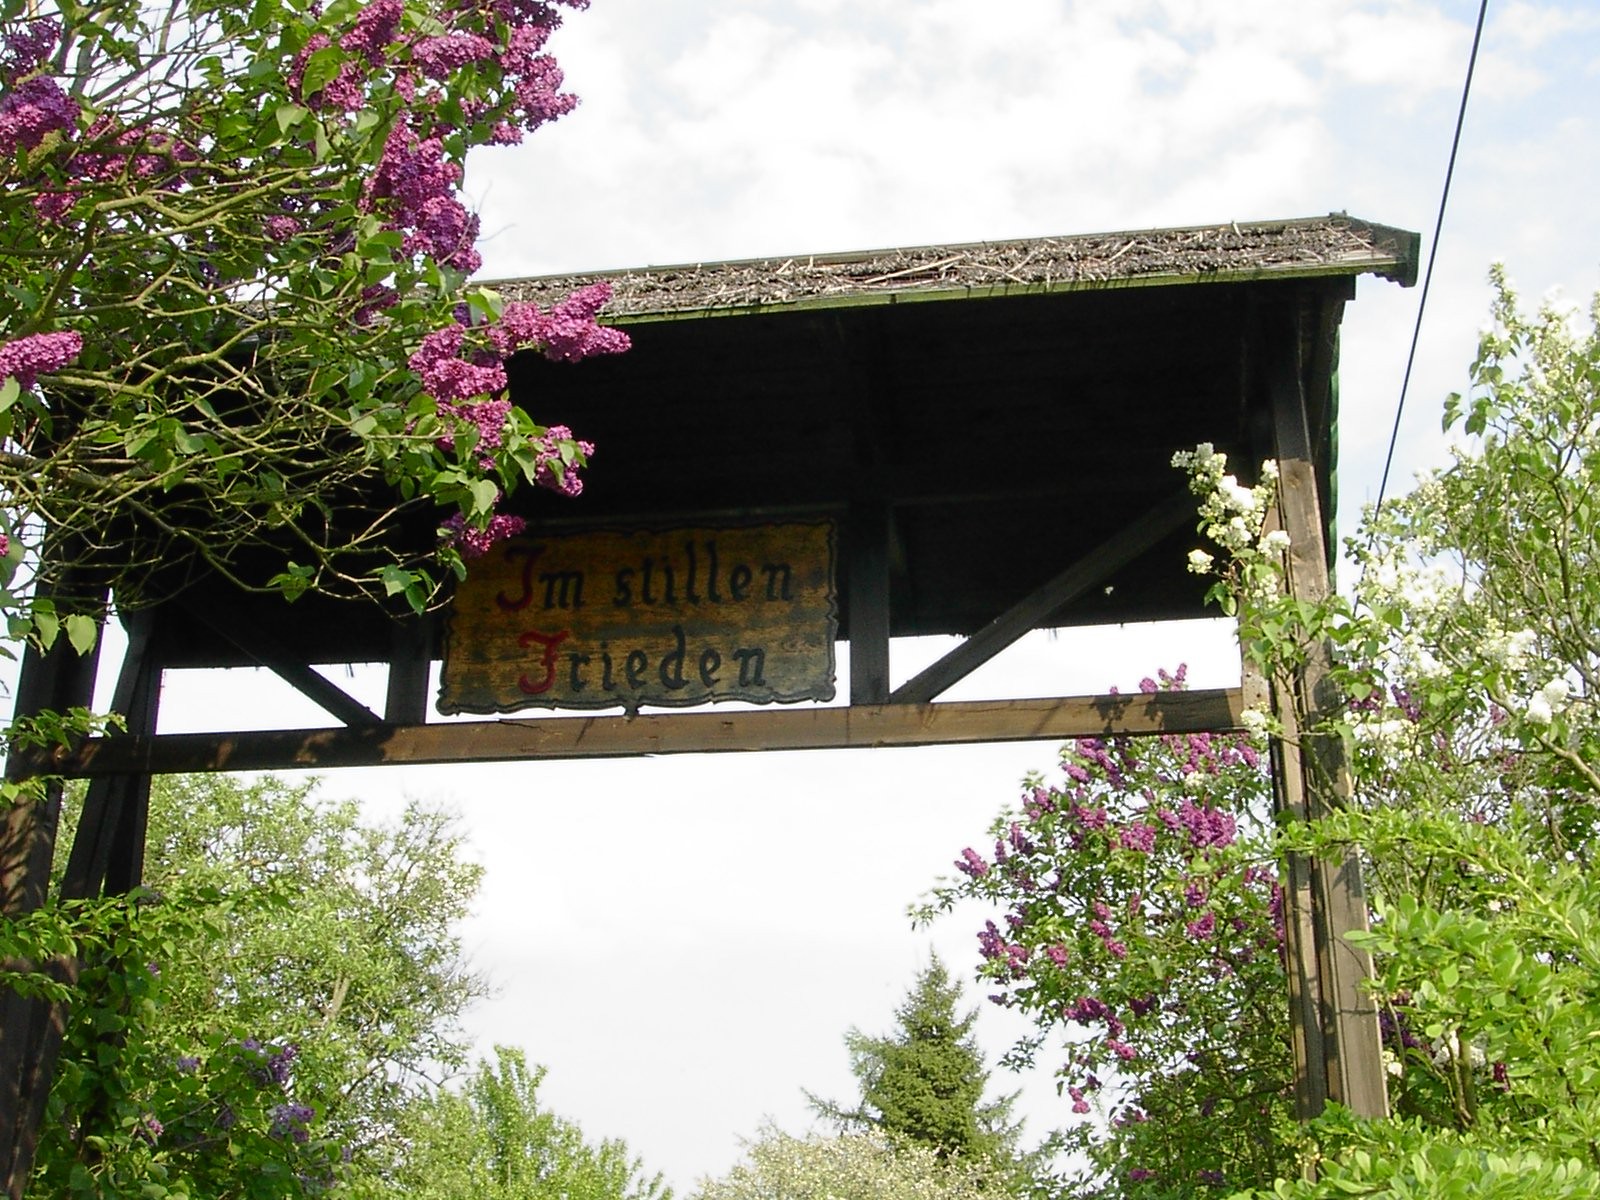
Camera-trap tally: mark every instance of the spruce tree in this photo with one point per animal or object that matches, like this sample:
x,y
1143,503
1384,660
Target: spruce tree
x,y
925,1081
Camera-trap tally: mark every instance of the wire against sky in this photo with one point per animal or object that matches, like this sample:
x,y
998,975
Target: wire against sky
x,y
1433,251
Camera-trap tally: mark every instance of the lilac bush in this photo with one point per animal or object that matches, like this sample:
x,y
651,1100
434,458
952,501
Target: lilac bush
x,y
1139,926
238,324
129,1117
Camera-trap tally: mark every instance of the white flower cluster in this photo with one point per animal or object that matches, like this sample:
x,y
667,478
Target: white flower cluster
x,y
1545,703
1389,735
1233,514
1255,722
1399,576
1510,650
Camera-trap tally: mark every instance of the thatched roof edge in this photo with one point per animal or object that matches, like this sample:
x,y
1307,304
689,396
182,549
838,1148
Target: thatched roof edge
x,y
1237,251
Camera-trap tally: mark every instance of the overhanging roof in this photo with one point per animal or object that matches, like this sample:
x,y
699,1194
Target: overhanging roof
x,y
1002,409
1335,245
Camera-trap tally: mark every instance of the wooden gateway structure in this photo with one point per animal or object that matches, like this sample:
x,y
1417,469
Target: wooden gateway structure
x,y
970,440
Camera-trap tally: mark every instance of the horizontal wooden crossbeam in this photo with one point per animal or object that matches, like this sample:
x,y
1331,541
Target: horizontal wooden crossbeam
x,y
681,733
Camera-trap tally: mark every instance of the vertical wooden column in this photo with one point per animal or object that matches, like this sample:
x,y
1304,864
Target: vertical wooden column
x,y
867,543
54,681
108,851
406,700
1337,1044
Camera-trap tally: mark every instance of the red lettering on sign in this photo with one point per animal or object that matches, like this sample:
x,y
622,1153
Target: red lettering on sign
x,y
528,554
549,641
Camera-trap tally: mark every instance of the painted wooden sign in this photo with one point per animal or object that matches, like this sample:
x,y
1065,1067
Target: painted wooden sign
x,y
660,617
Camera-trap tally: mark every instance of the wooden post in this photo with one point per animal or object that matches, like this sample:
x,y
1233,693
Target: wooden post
x,y
867,545
1323,899
108,851
31,1029
406,700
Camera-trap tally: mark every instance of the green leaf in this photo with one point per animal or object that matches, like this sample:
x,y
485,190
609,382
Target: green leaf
x,y
82,632
484,496
9,391
290,115
396,580
46,625
321,69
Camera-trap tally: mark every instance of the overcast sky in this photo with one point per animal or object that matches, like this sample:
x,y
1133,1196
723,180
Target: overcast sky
x,y
685,940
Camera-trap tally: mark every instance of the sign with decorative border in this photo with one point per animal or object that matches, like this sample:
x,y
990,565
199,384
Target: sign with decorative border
x,y
668,617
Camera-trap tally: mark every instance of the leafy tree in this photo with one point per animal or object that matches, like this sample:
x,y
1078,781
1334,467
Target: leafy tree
x,y
358,961
289,960
862,1166
924,1083
1469,652
129,1117
492,1140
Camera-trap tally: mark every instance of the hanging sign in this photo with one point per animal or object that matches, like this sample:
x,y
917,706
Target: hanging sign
x,y
662,617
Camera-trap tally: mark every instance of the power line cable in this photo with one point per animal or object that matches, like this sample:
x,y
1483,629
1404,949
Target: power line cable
x,y
1433,250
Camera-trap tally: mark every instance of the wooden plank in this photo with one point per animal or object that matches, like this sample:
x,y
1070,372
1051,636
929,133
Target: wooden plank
x,y
513,740
1029,613
406,699
868,533
668,617
108,850
260,647
1352,1045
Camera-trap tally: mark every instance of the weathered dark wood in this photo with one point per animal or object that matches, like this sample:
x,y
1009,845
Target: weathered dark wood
x,y
406,698
1352,1048
869,531
108,850
31,1029
686,733
262,648
1090,571
1308,1024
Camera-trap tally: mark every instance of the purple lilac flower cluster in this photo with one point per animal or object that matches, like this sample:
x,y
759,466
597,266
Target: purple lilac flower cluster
x,y
552,470
414,189
292,1121
38,354
448,376
375,28
31,111
566,333
475,543
27,46
104,152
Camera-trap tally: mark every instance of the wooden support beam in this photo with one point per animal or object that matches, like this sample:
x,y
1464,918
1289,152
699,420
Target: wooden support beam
x,y
1308,1029
410,658
30,1029
1314,779
108,851
298,675
1090,571
867,540
674,733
